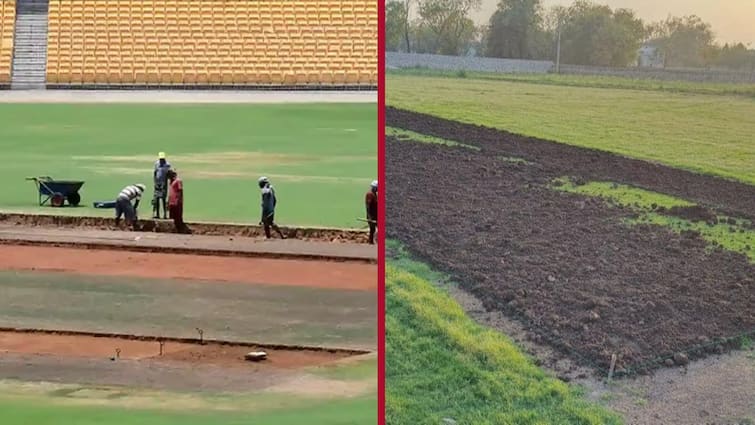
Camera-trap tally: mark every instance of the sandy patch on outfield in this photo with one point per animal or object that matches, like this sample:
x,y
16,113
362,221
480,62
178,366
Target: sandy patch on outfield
x,y
313,386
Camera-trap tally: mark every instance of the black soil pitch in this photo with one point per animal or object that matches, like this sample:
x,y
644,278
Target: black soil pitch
x,y
563,264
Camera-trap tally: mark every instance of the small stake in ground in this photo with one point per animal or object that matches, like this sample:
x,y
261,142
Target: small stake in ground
x,y
117,354
201,336
613,365
162,344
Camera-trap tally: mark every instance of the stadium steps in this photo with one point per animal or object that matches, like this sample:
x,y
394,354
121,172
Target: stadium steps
x,y
30,45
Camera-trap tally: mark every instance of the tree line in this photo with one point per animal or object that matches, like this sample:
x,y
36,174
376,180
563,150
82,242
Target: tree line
x,y
587,33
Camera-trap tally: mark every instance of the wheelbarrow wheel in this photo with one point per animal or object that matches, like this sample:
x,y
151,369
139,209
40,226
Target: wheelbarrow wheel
x,y
74,199
57,200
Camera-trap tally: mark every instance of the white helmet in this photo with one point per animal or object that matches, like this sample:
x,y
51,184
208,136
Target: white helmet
x,y
374,184
263,181
141,187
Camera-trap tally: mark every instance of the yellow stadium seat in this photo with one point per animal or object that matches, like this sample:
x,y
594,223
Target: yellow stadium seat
x,y
64,76
202,76
339,76
326,77
77,76
189,76
214,76
166,76
240,76
153,75
140,75
202,41
88,75
260,77
176,75
352,77
128,75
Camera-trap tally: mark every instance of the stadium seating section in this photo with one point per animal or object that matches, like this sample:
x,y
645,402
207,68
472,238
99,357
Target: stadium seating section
x,y
208,42
7,22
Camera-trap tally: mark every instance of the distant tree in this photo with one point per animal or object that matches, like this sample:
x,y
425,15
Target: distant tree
x,y
594,34
685,41
736,56
515,30
449,23
395,25
627,32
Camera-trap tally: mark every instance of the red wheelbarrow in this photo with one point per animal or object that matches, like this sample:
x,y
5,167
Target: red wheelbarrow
x,y
57,192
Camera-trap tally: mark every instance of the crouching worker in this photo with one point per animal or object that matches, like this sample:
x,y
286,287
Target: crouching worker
x,y
268,207
123,205
176,202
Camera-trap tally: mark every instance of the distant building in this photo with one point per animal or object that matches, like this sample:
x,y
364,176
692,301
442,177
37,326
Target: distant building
x,y
650,56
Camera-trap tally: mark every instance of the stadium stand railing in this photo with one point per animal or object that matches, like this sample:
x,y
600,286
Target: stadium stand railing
x,y
7,29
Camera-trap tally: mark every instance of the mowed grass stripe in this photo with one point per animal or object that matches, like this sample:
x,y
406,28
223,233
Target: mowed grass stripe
x,y
287,411
710,134
321,157
226,311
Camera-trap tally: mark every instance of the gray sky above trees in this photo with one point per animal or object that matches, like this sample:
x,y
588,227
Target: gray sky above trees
x,y
732,20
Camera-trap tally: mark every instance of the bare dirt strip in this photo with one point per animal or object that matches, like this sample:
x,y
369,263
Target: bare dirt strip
x,y
114,348
166,226
565,265
237,246
353,276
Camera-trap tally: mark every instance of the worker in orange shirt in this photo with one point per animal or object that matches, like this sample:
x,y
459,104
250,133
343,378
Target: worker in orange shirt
x,y
176,202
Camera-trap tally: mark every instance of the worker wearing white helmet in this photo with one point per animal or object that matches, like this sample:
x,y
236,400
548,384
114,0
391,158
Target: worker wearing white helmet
x,y
269,202
123,205
371,205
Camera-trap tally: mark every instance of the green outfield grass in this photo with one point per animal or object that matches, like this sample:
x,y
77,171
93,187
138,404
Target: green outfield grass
x,y
440,364
320,158
348,412
277,410
704,133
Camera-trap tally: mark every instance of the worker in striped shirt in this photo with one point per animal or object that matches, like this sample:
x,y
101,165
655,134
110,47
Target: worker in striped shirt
x,y
123,206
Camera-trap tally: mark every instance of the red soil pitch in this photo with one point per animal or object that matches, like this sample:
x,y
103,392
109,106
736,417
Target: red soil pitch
x,y
331,275
132,349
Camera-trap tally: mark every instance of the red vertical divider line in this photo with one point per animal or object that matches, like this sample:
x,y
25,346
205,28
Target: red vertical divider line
x,y
381,212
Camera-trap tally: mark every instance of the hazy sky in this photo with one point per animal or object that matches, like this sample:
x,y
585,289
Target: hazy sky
x,y
732,20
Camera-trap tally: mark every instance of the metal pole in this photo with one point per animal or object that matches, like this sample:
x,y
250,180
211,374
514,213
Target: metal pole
x,y
558,52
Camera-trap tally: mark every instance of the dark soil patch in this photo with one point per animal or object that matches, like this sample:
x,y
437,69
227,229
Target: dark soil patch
x,y
563,264
692,213
727,196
